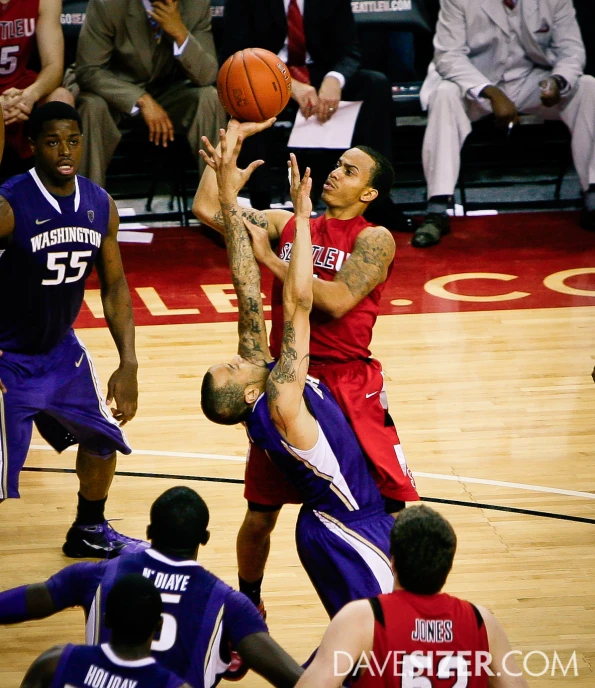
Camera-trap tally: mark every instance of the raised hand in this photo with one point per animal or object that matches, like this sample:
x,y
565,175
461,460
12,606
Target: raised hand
x,y
247,129
230,178
300,189
261,243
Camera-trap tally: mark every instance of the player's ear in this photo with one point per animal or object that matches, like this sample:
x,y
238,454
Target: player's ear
x,y
369,195
32,145
251,394
205,538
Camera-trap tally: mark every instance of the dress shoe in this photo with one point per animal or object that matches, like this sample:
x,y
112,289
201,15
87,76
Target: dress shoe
x,y
587,220
388,214
430,232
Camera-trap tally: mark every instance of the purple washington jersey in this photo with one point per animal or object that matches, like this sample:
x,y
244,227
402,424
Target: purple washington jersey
x,y
99,667
333,476
342,532
49,257
202,616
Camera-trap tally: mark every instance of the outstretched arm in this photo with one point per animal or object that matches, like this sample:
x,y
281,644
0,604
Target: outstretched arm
x,y
285,385
206,205
245,272
267,658
362,272
349,634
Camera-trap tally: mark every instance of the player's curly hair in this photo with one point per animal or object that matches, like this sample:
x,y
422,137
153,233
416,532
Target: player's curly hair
x,y
382,176
225,404
423,546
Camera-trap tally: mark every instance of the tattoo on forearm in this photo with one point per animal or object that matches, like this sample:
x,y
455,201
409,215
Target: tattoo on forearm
x,y
257,217
287,368
368,264
246,280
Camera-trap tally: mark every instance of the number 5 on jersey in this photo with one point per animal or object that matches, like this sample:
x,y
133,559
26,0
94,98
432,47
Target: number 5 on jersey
x,y
169,629
57,263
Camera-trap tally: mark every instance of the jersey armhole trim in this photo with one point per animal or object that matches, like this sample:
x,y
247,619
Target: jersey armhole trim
x,y
377,610
478,616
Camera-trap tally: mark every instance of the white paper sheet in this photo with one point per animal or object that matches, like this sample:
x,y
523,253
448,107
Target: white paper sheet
x,y
135,237
336,133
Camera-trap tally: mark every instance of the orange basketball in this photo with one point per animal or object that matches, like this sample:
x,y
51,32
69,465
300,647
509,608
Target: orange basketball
x,y
254,85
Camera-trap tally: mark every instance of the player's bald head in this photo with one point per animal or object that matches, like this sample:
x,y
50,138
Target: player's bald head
x,y
133,609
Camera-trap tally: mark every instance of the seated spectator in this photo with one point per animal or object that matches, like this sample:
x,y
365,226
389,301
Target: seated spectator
x,y
157,59
21,89
318,41
515,56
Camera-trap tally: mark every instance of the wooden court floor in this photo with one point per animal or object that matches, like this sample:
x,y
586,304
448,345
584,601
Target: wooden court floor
x,y
496,412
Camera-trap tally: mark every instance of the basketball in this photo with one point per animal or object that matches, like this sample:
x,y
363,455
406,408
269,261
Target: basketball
x,y
254,85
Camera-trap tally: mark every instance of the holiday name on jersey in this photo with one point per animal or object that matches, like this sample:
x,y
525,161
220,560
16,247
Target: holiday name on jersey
x,y
17,28
323,256
167,581
65,235
100,678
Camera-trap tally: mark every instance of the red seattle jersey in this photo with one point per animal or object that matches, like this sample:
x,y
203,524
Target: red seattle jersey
x,y
18,19
331,339
438,637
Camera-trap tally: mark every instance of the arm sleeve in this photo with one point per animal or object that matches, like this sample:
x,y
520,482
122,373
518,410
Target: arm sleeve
x,y
350,60
93,56
241,618
197,55
75,585
567,44
451,52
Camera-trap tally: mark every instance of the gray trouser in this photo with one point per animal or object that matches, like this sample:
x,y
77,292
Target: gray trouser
x,y
450,117
193,110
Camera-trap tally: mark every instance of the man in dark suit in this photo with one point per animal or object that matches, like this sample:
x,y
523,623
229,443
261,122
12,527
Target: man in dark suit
x,y
318,41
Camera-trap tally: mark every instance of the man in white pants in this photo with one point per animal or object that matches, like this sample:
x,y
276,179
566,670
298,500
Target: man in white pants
x,y
503,57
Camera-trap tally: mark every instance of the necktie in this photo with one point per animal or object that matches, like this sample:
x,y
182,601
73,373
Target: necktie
x,y
511,4
296,44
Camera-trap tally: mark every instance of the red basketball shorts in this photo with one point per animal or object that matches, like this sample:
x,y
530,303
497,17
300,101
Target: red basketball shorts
x,y
358,387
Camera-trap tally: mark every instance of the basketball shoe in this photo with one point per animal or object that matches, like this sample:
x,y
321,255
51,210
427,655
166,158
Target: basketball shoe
x,y
101,541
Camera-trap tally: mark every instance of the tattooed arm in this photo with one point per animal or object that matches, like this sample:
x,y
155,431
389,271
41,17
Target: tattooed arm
x,y
245,273
366,268
206,206
285,385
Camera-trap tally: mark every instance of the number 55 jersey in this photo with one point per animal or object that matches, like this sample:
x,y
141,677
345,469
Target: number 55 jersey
x,y
49,376
47,260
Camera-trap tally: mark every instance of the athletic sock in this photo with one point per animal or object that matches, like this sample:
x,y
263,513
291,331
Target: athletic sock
x,y
251,590
90,513
590,198
438,204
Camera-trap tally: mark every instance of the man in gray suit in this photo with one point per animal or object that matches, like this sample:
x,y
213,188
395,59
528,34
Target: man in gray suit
x,y
151,59
503,57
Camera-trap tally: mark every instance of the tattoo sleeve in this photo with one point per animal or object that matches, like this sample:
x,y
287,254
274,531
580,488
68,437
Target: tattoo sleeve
x,y
368,264
288,368
245,275
257,217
